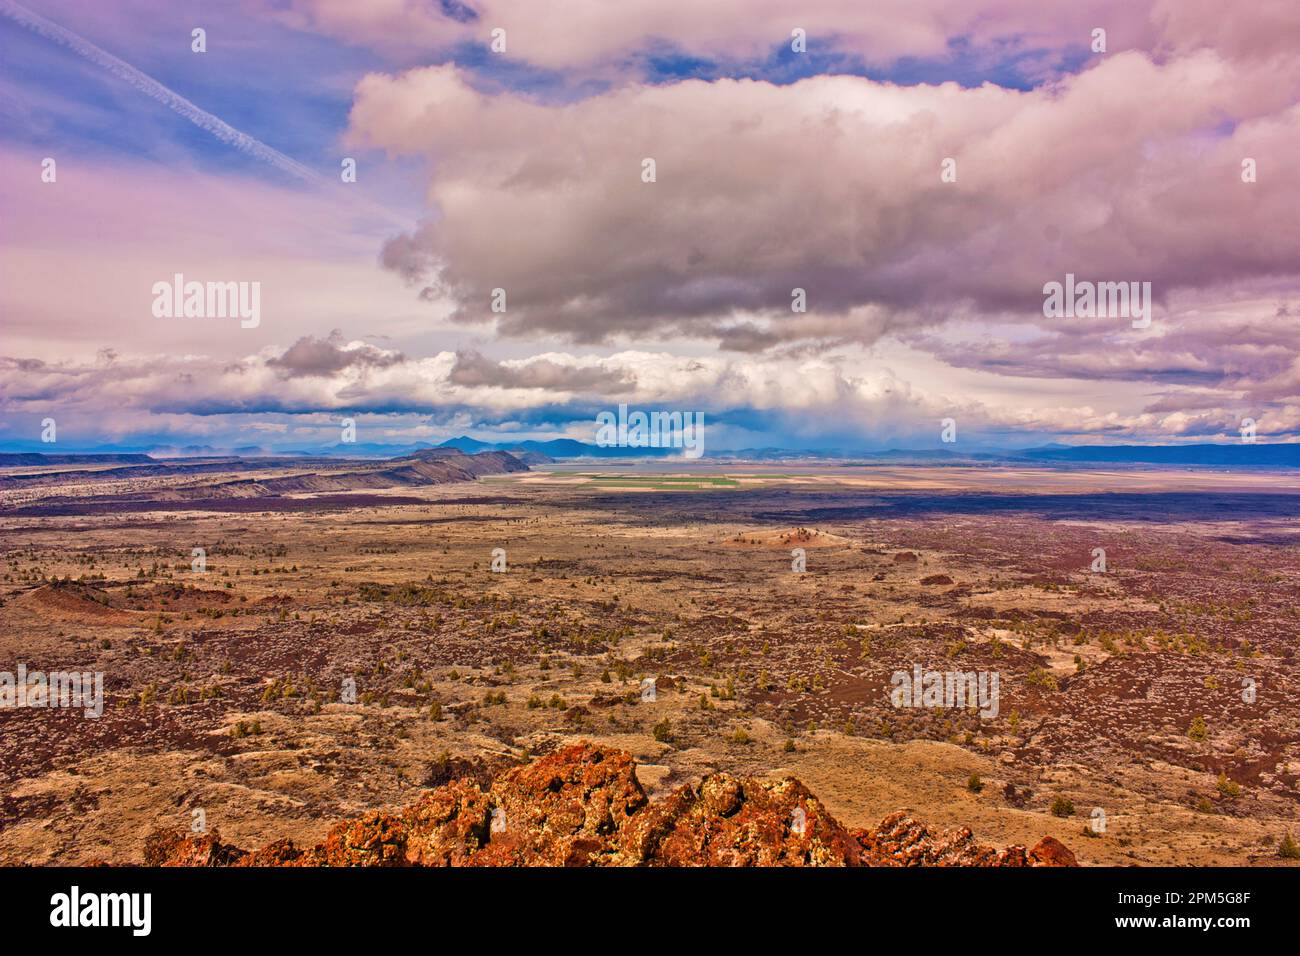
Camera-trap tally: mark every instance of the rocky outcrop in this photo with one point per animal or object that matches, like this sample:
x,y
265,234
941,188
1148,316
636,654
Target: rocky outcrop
x,y
1050,851
902,841
177,849
583,806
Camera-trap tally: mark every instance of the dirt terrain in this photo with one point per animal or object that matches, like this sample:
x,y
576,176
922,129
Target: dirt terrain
x,y
348,645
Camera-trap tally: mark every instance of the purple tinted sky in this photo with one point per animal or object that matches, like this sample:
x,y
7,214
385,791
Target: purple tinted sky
x,y
775,170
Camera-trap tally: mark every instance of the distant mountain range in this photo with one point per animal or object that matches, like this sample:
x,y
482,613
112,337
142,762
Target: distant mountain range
x,y
1236,455
1240,455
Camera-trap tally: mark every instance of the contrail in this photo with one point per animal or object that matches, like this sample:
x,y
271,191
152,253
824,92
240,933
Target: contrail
x,y
151,87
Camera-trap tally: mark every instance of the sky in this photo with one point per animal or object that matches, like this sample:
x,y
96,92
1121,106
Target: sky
x,y
505,266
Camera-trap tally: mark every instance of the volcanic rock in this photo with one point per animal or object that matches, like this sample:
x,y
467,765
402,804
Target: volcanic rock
x,y
583,806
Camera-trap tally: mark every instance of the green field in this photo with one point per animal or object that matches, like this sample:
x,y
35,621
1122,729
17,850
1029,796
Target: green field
x,y
663,482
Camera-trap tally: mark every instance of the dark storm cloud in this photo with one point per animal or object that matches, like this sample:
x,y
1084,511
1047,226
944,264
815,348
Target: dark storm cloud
x,y
324,357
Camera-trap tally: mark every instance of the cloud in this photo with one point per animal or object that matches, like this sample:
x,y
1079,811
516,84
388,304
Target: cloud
x,y
612,43
621,37
795,402
832,185
542,372
310,356
1241,348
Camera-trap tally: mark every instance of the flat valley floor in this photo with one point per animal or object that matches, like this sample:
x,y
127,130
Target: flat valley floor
x,y
1148,714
